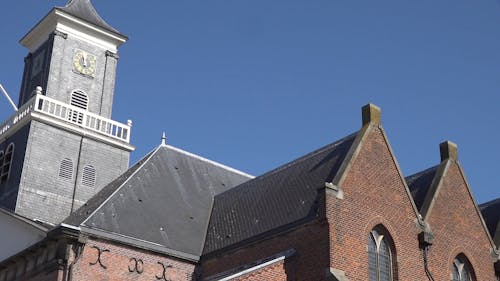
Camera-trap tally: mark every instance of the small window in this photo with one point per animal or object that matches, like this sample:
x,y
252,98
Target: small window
x,y
7,163
380,255
66,169
462,269
89,176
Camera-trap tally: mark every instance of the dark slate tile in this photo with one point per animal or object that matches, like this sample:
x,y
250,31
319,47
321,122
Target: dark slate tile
x,y
491,214
419,185
276,200
164,199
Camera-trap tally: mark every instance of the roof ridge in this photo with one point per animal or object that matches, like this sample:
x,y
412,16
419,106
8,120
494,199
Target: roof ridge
x,y
423,171
417,174
307,156
201,158
487,204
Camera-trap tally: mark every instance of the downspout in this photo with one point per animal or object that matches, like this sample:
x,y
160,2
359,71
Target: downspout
x,y
78,250
104,83
76,176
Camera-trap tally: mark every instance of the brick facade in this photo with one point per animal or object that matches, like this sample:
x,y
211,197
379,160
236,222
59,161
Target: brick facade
x,y
457,228
309,262
374,193
332,245
328,241
120,263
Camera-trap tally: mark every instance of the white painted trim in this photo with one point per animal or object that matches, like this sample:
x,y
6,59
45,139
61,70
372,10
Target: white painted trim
x,y
211,162
71,227
251,269
73,26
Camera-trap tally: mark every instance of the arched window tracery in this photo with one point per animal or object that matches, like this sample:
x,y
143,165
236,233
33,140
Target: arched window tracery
x,y
380,255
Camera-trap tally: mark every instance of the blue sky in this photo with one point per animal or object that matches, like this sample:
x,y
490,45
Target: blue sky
x,y
254,84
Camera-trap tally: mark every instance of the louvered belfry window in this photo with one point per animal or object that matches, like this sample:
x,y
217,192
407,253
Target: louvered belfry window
x,y
89,176
6,164
380,255
66,169
78,99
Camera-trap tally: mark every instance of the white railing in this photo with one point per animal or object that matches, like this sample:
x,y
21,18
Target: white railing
x,y
72,114
22,112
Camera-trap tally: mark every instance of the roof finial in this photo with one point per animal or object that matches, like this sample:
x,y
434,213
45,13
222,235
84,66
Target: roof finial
x,y
370,114
449,151
163,139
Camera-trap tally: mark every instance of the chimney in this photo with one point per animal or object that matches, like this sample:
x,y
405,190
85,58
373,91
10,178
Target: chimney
x,y
371,114
448,151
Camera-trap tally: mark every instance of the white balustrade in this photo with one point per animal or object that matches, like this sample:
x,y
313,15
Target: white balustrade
x,y
68,113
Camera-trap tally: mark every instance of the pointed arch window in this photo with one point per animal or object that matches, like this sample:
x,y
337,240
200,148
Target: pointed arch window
x,y
89,176
6,164
462,269
380,255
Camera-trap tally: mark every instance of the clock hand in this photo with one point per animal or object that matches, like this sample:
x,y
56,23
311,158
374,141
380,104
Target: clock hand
x,y
84,56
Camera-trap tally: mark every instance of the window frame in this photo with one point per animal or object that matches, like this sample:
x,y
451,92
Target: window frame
x,y
6,164
64,171
461,263
89,176
380,236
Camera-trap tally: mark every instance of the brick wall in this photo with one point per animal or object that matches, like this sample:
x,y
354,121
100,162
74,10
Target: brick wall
x,y
121,266
310,261
9,189
374,193
63,80
46,196
457,228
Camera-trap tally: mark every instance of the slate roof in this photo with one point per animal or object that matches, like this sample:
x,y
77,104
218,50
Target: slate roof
x,y
83,9
275,201
164,199
419,184
491,214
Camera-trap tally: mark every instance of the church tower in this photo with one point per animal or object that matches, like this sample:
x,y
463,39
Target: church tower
x,y
61,147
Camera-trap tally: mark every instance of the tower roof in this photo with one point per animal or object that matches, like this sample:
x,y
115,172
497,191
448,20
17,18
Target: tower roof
x,y
83,9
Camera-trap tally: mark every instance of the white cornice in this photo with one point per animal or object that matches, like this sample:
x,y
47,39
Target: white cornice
x,y
73,26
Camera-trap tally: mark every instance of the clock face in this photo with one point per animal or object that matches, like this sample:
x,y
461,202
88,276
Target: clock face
x,y
84,63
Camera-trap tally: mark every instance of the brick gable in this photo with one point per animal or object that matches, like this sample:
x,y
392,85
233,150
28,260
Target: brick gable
x,y
457,227
374,193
